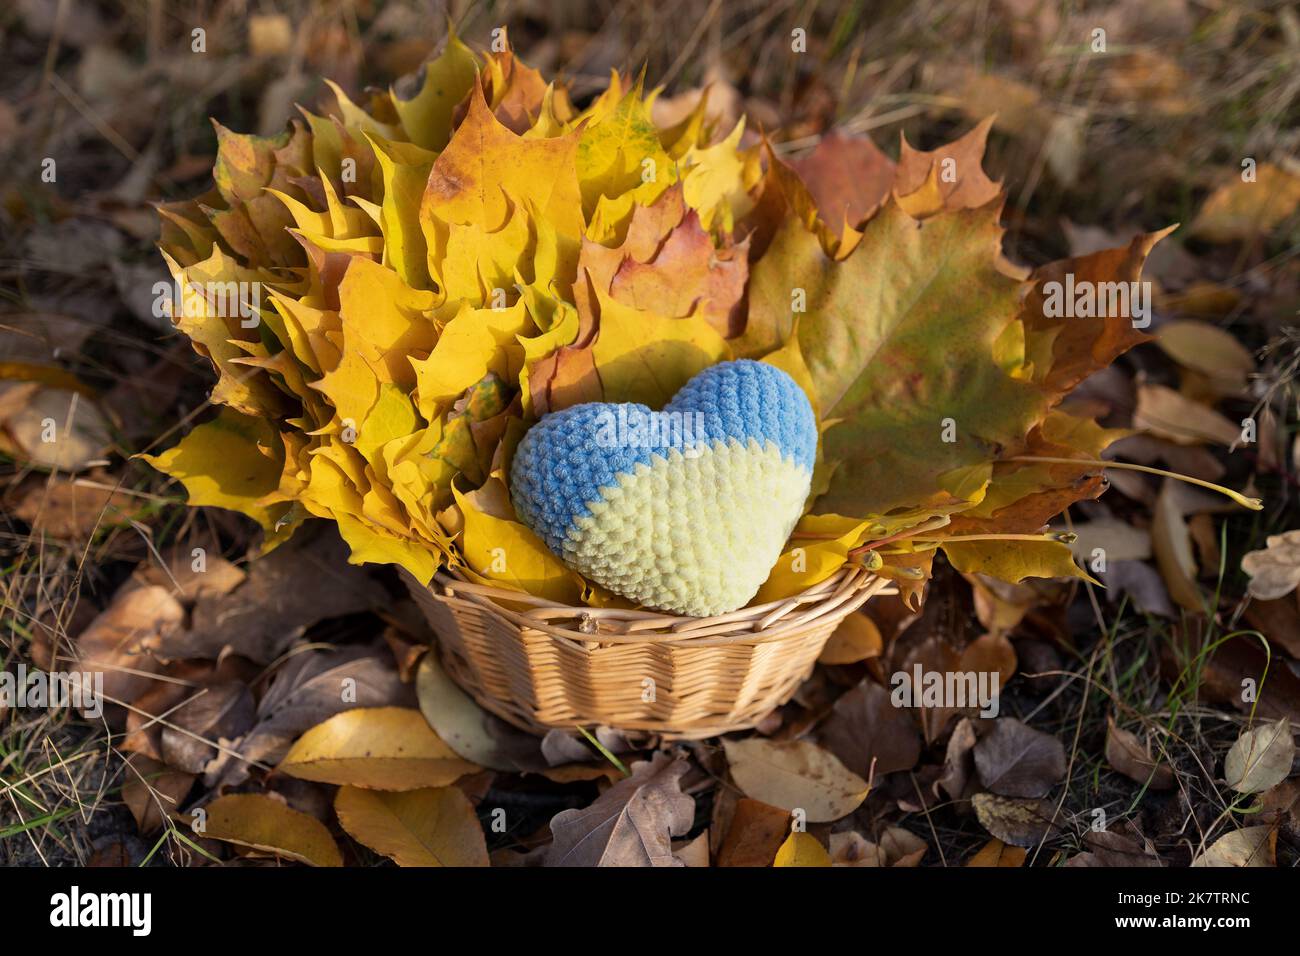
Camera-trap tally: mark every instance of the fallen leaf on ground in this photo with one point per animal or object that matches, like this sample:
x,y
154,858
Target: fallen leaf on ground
x,y
478,736
265,824
756,832
694,853
1109,849
802,849
1260,758
1171,540
117,642
1210,350
428,827
856,639
997,853
1249,846
379,748
795,774
1169,414
958,761
52,427
1125,753
153,791
71,508
301,582
630,824
1018,822
1240,210
1118,540
221,712
865,726
1014,760
309,687
1274,570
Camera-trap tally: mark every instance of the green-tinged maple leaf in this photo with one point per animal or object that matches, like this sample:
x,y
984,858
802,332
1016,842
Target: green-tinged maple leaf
x,y
899,341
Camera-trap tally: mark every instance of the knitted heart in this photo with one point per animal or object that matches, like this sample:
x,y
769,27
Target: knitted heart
x,y
684,510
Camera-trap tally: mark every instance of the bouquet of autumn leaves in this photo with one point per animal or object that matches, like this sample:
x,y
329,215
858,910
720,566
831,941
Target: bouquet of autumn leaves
x,y
430,274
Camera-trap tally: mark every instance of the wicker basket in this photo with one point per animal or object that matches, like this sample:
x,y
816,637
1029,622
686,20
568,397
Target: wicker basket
x,y
542,665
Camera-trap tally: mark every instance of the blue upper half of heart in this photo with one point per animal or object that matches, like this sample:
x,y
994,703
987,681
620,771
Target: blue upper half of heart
x,y
565,460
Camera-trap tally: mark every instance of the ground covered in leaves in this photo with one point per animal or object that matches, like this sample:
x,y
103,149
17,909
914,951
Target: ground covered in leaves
x,y
291,701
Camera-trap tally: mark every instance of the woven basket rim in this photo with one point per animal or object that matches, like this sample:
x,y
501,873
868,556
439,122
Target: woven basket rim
x,y
843,592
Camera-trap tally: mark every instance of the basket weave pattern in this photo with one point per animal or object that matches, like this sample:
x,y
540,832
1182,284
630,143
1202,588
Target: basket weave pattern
x,y
542,665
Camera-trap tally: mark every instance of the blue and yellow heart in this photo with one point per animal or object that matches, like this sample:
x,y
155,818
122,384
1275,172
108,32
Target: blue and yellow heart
x,y
682,510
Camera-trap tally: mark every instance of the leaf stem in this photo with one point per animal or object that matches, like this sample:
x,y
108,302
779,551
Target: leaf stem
x,y
933,525
1064,537
1254,504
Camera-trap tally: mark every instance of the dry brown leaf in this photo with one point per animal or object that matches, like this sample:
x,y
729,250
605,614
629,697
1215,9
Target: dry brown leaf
x,y
1274,570
74,508
153,791
1249,846
1018,822
1172,542
1109,849
429,827
795,775
220,712
1240,210
1014,760
311,686
1210,350
990,654
1118,540
756,832
117,643
997,853
865,728
958,761
693,853
1125,753
53,428
1169,414
305,580
630,824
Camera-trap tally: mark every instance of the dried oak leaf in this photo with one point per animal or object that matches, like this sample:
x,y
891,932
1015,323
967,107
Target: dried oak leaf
x,y
1108,849
1274,570
630,824
298,584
